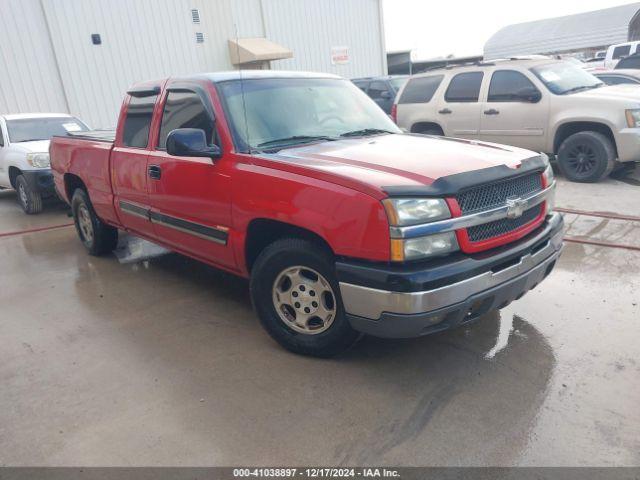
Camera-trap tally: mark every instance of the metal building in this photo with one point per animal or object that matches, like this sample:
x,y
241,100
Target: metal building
x,y
79,56
581,33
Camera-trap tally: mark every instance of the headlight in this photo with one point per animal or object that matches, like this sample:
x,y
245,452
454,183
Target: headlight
x,y
421,247
548,175
412,211
633,117
38,160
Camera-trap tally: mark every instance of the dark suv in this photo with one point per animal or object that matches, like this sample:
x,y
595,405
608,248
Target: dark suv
x,y
381,89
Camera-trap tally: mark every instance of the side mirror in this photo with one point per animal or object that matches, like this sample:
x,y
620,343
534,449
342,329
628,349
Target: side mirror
x,y
386,95
190,142
530,95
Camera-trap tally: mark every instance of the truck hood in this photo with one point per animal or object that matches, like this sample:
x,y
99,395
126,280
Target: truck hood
x,y
37,146
628,93
398,160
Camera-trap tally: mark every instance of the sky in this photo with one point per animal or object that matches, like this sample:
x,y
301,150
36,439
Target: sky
x,y
438,28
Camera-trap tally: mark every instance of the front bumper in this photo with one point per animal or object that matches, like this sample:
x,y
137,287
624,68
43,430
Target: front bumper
x,y
40,181
388,302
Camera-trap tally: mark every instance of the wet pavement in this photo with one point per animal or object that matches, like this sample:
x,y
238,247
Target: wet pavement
x,y
159,360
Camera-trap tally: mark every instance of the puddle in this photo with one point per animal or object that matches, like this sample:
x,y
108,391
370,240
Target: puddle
x,y
133,250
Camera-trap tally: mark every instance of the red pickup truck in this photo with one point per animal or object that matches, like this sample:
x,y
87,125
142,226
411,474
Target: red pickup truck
x,y
299,182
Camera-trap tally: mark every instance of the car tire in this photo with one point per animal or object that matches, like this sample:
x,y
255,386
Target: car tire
x,y
586,157
314,322
97,237
30,200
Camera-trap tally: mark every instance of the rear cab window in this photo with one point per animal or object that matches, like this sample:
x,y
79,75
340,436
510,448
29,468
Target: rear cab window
x,y
464,88
377,88
506,84
420,89
137,122
361,84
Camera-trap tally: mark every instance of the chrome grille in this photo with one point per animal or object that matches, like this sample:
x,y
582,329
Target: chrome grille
x,y
494,195
503,226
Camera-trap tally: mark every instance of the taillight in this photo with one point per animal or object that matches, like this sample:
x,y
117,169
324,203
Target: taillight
x,y
394,113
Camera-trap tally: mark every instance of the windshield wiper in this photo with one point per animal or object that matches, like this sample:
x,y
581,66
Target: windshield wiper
x,y
365,132
295,139
582,87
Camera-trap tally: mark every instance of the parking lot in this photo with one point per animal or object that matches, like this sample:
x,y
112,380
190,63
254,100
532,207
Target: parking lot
x,y
150,359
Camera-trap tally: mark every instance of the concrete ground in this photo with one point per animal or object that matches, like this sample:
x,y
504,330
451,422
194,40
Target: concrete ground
x,y
161,361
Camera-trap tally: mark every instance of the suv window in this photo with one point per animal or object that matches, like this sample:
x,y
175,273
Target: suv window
x,y
421,89
376,89
1,137
505,85
464,87
362,84
621,51
184,110
137,122
632,61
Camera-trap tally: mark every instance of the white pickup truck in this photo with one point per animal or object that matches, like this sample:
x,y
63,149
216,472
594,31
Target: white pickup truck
x,y
24,154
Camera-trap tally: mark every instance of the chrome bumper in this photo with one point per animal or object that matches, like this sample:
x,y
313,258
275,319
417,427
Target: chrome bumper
x,y
370,303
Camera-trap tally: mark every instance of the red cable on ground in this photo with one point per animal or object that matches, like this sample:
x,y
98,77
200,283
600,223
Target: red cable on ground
x,y
598,214
601,244
32,230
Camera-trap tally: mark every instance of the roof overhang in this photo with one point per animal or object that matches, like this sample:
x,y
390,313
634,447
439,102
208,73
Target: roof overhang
x,y
249,50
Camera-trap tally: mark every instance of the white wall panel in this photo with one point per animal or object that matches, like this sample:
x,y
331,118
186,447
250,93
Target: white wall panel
x,y
311,28
29,79
141,40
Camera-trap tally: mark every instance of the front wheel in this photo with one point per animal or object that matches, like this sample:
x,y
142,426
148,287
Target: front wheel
x,y
97,237
297,298
30,200
586,157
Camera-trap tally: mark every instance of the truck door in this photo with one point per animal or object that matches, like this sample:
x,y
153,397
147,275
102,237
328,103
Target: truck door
x,y
190,196
515,112
129,162
459,110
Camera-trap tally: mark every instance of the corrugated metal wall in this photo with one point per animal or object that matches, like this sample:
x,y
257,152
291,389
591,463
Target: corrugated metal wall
x,y
29,78
49,63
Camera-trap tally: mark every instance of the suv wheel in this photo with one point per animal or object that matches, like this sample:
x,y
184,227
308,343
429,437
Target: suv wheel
x,y
586,157
97,237
30,200
297,298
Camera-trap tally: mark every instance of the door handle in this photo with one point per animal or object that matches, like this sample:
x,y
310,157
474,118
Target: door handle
x,y
445,111
154,172
491,111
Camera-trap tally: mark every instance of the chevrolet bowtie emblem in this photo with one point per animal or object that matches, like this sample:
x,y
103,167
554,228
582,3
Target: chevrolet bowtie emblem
x,y
515,207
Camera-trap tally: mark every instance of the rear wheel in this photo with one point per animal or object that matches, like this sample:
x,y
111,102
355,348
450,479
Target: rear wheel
x,y
30,200
97,237
586,157
297,298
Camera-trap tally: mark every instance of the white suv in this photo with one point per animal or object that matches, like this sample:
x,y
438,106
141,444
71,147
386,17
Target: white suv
x,y
540,104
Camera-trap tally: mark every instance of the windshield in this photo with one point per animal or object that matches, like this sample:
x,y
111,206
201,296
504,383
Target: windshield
x,y
32,129
398,83
563,77
281,112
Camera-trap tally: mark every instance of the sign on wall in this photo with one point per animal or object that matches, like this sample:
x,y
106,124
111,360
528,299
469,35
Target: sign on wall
x,y
339,55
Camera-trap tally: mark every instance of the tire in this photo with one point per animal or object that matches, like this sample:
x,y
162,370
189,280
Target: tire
x,y
97,237
30,200
586,157
274,283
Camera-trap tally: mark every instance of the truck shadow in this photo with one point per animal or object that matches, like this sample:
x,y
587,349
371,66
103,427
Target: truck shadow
x,y
467,396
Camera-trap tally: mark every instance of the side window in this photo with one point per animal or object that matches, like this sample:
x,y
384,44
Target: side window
x,y
137,122
621,51
464,87
1,137
377,88
362,85
421,89
614,80
185,110
506,84
629,62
